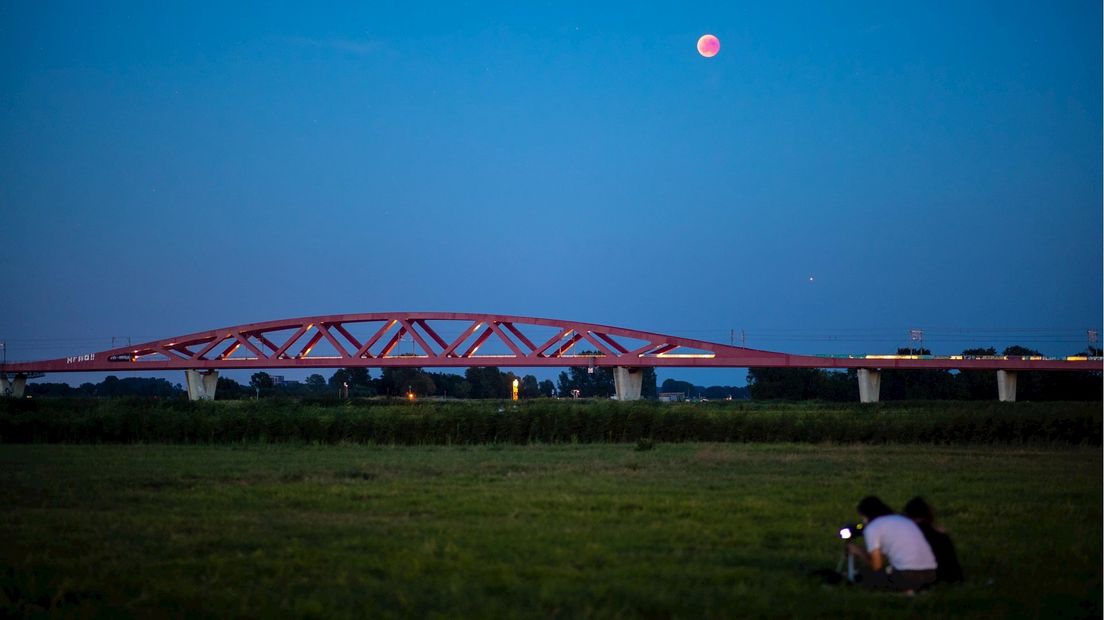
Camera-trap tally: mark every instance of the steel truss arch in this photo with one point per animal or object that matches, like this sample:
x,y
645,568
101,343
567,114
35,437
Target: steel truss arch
x,y
288,343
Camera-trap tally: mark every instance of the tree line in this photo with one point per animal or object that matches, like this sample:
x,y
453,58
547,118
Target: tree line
x,y
398,382
841,386
110,387
394,382
478,382
475,383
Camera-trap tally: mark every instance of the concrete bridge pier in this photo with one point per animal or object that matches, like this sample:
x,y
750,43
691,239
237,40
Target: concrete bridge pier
x,y
628,381
870,384
13,388
201,384
1006,386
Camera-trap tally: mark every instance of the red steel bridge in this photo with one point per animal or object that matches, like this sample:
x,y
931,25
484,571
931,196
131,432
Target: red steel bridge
x,y
448,339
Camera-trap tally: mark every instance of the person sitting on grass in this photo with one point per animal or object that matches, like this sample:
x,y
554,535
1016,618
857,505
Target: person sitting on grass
x,y
896,557
948,569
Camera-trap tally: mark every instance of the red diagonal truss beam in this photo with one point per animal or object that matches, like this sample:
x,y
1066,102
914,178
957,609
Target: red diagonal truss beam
x,y
607,346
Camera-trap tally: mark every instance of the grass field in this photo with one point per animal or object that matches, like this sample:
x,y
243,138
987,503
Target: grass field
x,y
681,530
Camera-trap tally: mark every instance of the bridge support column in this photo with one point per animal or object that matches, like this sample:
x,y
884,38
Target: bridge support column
x,y
628,382
13,388
1006,386
870,385
201,384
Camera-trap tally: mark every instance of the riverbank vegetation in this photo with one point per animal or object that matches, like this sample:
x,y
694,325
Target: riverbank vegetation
x,y
542,421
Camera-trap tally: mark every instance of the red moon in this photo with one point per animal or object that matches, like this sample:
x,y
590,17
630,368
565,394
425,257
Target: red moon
x,y
708,45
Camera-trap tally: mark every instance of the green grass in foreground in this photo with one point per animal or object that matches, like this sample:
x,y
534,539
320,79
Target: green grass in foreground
x,y
686,530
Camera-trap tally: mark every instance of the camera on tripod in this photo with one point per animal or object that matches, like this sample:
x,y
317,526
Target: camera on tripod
x,y
851,530
846,533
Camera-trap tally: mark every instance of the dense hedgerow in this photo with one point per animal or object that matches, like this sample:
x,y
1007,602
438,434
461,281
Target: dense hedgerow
x,y
542,421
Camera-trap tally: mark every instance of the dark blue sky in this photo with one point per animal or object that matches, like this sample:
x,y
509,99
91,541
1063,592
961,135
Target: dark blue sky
x,y
938,165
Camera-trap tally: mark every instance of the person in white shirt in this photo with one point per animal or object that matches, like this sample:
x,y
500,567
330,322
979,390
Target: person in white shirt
x,y
897,556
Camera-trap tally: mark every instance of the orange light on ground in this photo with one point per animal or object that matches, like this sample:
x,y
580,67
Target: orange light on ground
x,y
410,396
515,393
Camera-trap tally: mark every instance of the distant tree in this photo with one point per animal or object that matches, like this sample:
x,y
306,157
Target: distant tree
x,y
676,386
598,381
357,380
714,392
451,385
487,382
354,377
110,387
1077,385
977,384
296,389
591,381
722,392
563,384
913,351
546,388
259,380
228,389
801,384
400,381
154,386
529,387
55,390
782,383
421,383
461,389
979,352
390,383
316,382
839,386
648,383
1043,386
508,384
113,386
916,384
339,379
359,377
